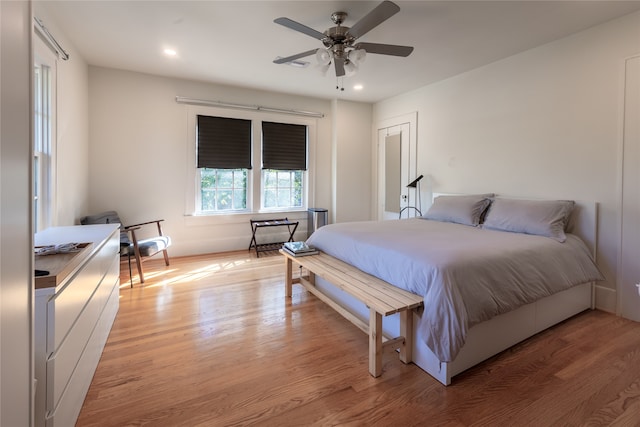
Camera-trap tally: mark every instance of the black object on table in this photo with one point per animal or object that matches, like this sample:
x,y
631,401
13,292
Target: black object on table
x,y
265,247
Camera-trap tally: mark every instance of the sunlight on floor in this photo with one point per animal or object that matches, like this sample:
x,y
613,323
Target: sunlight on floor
x,y
190,276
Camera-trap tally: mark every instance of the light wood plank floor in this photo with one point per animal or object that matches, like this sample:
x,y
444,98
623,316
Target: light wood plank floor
x,y
212,341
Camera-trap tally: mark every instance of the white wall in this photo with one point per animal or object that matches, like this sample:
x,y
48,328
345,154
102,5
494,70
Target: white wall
x,y
545,123
352,173
72,186
16,239
139,146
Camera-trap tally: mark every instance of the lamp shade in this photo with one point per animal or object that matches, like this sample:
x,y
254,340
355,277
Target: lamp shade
x,y
323,57
323,68
357,55
414,183
350,67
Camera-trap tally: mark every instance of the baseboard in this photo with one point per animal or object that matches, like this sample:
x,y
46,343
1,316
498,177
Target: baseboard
x,y
606,299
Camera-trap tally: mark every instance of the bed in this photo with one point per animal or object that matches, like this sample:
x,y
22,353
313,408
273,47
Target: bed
x,y
493,271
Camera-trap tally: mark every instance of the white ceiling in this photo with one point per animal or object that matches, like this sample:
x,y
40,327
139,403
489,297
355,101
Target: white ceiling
x,y
235,42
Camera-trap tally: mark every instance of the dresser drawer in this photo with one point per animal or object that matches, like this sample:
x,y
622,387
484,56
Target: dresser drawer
x,y
68,399
65,307
62,364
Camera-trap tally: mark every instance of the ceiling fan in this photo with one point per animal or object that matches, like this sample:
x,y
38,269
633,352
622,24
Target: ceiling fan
x,y
340,47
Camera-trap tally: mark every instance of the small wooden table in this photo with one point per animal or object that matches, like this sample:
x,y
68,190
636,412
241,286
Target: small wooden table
x,y
266,247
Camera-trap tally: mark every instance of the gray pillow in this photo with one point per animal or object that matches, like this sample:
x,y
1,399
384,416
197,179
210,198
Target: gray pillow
x,y
547,218
467,209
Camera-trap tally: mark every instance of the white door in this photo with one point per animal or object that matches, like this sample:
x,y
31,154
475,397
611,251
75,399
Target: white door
x,y
396,168
629,277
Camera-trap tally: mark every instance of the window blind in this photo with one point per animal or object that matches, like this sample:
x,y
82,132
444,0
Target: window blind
x,y
284,146
223,143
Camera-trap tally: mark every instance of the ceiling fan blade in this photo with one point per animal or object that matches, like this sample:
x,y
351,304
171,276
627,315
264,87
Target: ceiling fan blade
x,y
339,63
385,49
294,57
377,16
299,27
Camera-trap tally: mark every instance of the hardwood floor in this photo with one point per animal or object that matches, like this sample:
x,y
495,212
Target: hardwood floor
x,y
212,341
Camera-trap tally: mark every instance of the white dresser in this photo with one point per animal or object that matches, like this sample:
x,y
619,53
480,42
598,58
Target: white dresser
x,y
75,307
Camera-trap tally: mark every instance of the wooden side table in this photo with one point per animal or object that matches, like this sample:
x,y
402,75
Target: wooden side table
x,y
266,247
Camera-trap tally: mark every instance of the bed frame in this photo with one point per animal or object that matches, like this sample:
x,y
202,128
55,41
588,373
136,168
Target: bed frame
x,y
491,337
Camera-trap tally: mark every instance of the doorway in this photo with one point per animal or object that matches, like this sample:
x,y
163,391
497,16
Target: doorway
x,y
397,167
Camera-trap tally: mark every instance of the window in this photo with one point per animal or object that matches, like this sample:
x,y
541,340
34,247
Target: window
x,y
223,161
284,161
229,148
44,137
223,189
282,189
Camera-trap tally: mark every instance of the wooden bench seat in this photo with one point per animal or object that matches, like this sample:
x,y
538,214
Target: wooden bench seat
x,y
380,297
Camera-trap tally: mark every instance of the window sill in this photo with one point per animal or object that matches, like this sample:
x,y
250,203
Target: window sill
x,y
241,218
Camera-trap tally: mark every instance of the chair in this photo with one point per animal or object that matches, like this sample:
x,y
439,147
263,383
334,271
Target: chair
x,y
140,249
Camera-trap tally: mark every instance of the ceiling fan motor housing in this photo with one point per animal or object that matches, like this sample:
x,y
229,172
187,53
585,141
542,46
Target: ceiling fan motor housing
x,y
337,35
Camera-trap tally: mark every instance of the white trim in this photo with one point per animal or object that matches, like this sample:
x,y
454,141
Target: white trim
x,y
42,54
255,175
398,121
221,104
620,291
606,298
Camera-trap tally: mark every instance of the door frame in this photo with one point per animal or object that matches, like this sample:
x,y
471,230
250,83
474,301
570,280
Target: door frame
x,y
410,119
627,295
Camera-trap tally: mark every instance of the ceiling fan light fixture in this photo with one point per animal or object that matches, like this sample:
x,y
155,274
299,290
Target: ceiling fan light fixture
x,y
323,56
357,56
350,67
323,68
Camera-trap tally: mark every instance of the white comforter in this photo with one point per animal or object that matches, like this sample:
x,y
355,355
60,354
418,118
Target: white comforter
x,y
466,274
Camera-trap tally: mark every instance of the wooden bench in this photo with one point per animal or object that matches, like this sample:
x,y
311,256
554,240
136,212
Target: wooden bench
x,y
380,297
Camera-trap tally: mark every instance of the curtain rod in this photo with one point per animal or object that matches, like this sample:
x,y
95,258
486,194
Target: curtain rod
x,y
44,32
184,100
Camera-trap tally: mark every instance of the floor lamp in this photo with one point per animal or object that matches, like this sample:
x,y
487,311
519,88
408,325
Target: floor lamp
x,y
414,184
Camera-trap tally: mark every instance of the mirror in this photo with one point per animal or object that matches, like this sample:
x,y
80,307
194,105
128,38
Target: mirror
x,y
392,173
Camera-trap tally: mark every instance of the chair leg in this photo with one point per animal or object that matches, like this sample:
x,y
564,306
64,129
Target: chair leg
x,y
136,253
130,274
139,262
166,256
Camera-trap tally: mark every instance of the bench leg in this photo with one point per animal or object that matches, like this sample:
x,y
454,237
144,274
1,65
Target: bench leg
x,y
312,278
288,277
406,330
375,343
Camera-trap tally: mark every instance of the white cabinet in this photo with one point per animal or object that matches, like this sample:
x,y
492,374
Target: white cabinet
x,y
73,318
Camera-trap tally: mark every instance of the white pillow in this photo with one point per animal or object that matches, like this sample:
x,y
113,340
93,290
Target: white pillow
x,y
467,209
547,218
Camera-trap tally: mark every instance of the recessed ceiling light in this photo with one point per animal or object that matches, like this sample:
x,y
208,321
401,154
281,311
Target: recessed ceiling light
x,y
358,87
170,52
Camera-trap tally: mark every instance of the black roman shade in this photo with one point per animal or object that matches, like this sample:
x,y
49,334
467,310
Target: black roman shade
x,y
224,143
284,146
